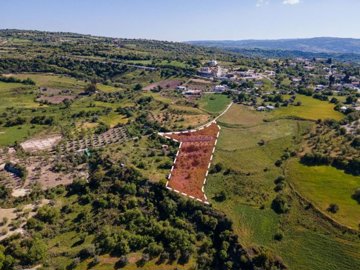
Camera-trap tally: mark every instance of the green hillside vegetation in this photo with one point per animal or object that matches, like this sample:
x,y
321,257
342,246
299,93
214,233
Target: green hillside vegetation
x,y
273,203
249,151
119,220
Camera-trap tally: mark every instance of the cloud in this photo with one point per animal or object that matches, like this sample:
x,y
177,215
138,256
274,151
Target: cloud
x,y
260,3
291,2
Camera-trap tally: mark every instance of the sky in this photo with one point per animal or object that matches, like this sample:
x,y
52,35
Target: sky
x,y
184,20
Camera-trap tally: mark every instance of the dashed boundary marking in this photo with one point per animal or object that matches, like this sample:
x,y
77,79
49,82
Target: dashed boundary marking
x,y
209,165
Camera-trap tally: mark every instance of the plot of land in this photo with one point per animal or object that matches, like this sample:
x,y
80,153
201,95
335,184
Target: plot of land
x,y
34,145
214,103
54,95
192,162
167,84
202,85
311,108
324,185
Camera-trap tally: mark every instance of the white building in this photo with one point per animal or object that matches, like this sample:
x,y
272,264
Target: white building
x,y
213,63
220,88
181,88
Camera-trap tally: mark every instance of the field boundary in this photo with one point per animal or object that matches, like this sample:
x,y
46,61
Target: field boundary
x,y
166,135
321,214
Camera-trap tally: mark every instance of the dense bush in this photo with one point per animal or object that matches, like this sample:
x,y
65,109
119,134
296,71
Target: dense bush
x,y
124,213
280,204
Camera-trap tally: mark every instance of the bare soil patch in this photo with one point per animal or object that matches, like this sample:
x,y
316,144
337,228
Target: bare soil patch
x,y
41,144
192,162
55,96
16,218
198,84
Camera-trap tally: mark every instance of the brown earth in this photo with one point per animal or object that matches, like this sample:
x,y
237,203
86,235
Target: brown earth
x,y
193,160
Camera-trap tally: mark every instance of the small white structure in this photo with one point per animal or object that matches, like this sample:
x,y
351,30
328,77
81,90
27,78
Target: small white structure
x,y
343,109
261,108
270,107
181,88
192,93
220,88
213,63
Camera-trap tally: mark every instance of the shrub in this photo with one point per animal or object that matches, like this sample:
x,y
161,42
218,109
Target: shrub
x,y
278,163
278,236
333,208
48,214
280,204
217,168
122,262
356,195
155,249
220,197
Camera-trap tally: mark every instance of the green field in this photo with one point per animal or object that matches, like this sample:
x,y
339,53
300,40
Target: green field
x,y
53,80
214,103
16,95
312,109
324,185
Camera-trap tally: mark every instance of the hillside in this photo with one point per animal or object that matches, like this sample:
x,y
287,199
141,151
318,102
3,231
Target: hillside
x,y
341,49
315,45
143,154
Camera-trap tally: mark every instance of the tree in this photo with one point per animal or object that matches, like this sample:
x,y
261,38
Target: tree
x,y
155,249
91,88
356,195
331,80
138,87
356,143
280,204
333,208
37,251
5,192
48,214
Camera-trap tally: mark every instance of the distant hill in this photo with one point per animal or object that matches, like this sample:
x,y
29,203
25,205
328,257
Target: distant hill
x,y
314,45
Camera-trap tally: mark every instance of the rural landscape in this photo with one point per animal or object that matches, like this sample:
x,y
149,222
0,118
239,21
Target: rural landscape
x,y
122,153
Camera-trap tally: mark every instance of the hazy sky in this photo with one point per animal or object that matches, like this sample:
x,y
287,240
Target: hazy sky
x,y
181,20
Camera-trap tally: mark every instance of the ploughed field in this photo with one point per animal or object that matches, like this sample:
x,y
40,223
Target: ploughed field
x,y
192,162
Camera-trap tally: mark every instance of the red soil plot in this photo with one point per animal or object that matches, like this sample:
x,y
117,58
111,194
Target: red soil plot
x,y
192,162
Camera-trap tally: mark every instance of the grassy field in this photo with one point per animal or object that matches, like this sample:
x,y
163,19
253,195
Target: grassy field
x,y
312,109
241,116
17,134
16,95
214,103
308,242
53,80
324,185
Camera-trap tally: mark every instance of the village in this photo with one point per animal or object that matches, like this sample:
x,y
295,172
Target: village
x,y
317,77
